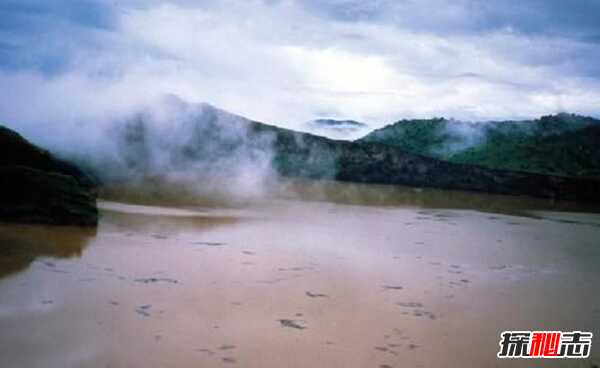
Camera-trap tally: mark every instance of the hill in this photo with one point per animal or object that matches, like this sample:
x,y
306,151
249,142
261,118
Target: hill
x,y
37,187
203,144
562,144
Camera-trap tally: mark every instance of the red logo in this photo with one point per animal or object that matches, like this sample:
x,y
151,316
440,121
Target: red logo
x,y
545,344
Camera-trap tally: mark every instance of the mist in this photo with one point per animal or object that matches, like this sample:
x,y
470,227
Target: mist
x,y
195,147
88,81
288,62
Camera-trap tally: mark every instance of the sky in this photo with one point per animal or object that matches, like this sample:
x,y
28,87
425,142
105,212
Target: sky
x,y
287,62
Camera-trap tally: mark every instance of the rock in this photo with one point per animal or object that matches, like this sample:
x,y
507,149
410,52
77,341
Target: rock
x,y
17,151
36,187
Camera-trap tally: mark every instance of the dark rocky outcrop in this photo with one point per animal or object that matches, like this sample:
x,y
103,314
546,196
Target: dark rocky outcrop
x,y
36,187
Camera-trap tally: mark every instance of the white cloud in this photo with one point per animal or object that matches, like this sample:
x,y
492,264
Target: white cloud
x,y
280,63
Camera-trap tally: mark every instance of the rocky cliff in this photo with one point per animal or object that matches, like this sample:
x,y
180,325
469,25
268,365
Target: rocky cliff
x,y
37,187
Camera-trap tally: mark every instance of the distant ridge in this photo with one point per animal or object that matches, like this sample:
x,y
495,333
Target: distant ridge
x,y
562,144
200,141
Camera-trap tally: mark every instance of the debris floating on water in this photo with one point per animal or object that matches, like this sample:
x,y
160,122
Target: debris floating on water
x,y
292,323
151,280
316,295
392,287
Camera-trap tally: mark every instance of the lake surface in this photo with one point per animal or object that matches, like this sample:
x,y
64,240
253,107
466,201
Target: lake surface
x,y
334,275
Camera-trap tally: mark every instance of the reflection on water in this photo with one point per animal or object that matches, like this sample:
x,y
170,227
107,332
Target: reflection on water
x,y
22,244
328,275
158,193
387,195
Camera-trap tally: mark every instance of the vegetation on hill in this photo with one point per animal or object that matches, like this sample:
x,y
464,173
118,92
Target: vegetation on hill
x,y
562,144
210,143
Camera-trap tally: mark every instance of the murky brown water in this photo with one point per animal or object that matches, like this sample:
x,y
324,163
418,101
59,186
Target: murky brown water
x,y
364,277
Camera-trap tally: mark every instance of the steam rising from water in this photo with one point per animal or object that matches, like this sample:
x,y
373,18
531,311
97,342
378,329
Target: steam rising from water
x,y
171,144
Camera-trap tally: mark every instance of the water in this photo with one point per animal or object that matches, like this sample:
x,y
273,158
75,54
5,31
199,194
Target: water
x,y
332,275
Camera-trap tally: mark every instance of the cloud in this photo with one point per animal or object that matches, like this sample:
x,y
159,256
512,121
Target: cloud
x,y
73,63
532,17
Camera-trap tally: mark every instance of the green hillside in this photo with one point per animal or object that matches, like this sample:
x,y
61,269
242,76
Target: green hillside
x,y
562,144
